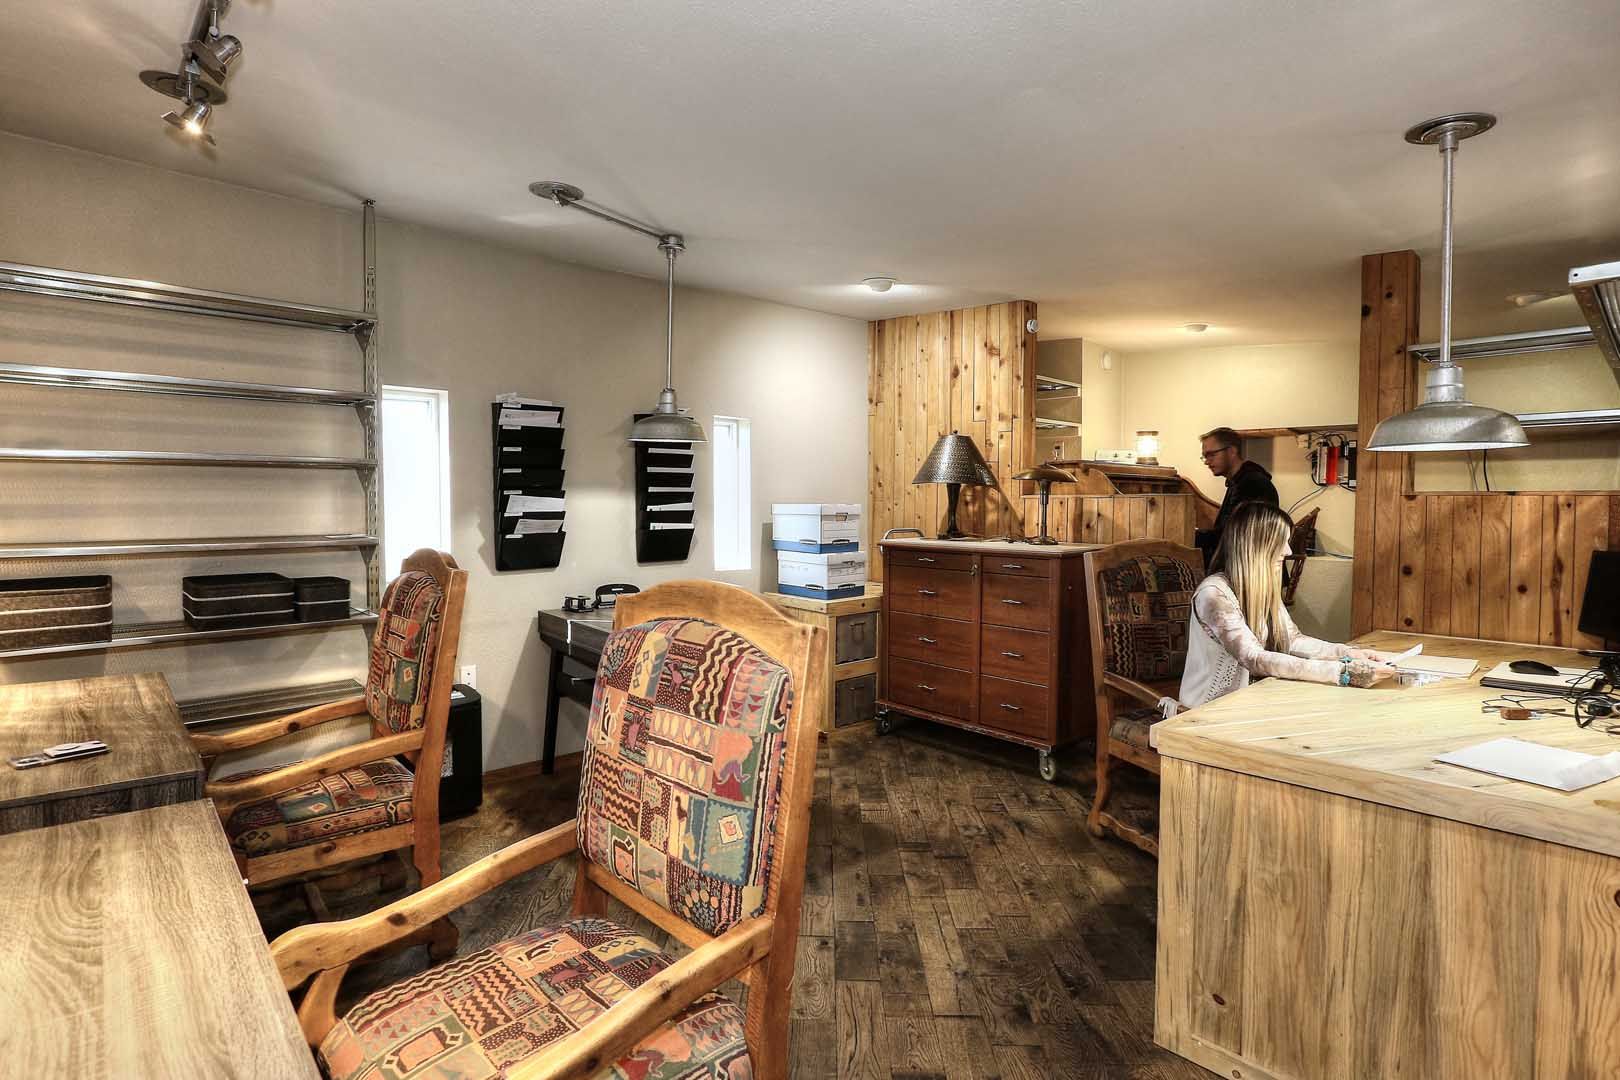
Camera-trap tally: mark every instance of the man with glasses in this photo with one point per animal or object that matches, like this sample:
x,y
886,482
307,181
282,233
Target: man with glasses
x,y
1245,482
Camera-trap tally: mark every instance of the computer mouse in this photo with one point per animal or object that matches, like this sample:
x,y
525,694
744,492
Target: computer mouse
x,y
1532,667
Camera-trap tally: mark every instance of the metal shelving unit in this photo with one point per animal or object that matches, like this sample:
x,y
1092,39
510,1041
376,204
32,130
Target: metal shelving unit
x,y
182,300
1576,422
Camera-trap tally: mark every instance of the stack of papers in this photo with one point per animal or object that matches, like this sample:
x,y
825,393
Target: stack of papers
x,y
1438,667
1546,766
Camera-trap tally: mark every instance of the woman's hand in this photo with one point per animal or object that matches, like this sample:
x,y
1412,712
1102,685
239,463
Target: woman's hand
x,y
1365,673
1371,655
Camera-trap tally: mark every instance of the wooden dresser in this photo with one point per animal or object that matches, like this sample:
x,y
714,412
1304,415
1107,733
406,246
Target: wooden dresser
x,y
990,636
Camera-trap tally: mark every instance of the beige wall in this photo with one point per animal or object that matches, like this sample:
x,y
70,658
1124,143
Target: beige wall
x,y
1099,408
458,314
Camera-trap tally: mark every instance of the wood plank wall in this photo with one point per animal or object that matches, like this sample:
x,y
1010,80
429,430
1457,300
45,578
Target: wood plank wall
x,y
970,370
1504,566
1108,519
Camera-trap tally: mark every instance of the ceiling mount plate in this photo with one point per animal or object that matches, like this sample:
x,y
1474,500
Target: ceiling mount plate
x,y
172,85
556,191
1464,125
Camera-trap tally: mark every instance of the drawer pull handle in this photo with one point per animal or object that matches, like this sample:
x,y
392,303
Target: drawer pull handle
x,y
927,640
1011,708
924,558
927,592
925,687
1012,566
1014,603
1014,655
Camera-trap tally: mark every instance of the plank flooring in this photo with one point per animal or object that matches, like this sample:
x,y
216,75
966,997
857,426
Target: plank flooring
x,y
959,921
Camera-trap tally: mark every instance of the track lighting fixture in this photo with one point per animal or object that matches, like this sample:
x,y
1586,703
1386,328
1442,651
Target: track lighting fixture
x,y
215,53
207,52
193,120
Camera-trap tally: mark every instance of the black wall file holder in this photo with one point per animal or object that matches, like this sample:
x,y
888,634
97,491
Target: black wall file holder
x,y
528,464
666,474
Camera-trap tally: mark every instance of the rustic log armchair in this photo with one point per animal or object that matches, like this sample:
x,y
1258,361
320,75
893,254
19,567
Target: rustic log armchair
x,y
693,812
358,801
1140,597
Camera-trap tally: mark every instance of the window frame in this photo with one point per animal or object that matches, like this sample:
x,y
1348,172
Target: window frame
x,y
439,402
733,540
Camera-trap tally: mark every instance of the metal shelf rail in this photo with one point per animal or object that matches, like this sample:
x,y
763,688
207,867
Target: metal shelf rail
x,y
182,300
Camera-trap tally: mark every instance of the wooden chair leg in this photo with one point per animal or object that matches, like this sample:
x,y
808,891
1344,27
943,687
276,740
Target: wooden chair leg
x,y
589,898
443,938
1094,820
425,856
766,1021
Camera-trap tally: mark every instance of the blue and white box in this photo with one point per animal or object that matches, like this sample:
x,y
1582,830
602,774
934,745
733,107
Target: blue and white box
x,y
816,527
825,575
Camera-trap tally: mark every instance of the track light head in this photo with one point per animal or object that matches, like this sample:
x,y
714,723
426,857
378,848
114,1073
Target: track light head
x,y
215,53
193,120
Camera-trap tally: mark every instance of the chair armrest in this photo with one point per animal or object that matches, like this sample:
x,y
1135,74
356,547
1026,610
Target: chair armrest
x,y
265,730
1131,688
317,947
229,794
651,1005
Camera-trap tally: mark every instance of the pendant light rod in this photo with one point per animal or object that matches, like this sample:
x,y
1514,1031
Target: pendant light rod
x,y
1448,159
568,195
671,247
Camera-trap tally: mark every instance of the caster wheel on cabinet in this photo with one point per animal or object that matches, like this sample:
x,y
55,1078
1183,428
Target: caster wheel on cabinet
x,y
1048,766
885,723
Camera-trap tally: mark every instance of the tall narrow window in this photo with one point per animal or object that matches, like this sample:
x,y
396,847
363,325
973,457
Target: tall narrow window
x,y
733,494
416,473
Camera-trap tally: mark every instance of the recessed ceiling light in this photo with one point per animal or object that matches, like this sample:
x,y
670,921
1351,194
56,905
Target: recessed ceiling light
x,y
880,283
1195,327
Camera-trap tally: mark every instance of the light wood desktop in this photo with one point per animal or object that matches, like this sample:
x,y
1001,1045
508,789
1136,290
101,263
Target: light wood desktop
x,y
149,759
1334,903
131,950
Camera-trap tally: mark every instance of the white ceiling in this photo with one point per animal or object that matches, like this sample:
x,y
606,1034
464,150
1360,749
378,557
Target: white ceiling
x,y
1131,166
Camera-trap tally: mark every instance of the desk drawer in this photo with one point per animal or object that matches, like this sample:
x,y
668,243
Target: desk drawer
x,y
938,560
929,688
1015,707
1021,567
945,642
855,637
949,594
1016,601
1024,655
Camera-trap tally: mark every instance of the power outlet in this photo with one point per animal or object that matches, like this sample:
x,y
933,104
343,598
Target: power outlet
x,y
469,675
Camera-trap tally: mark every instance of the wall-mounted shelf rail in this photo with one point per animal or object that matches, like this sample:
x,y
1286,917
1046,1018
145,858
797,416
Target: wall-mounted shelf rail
x,y
235,709
73,285
218,545
144,635
167,457
1046,423
141,383
1533,341
1573,422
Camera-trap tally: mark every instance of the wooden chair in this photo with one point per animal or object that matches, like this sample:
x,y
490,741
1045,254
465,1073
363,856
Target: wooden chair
x,y
693,812
1140,597
358,801
1300,541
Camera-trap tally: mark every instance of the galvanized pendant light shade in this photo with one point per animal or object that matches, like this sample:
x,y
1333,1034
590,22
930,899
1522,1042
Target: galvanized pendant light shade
x,y
1044,477
667,422
954,461
1447,420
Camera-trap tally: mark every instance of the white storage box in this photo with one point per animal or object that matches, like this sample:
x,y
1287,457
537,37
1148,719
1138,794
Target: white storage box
x,y
815,527
830,575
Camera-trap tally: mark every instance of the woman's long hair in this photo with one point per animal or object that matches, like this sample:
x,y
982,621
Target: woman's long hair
x,y
1250,554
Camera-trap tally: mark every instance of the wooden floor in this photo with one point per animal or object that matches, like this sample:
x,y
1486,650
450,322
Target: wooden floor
x,y
959,920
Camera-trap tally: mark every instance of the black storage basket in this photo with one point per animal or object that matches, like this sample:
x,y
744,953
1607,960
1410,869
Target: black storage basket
x,y
232,601
321,599
36,612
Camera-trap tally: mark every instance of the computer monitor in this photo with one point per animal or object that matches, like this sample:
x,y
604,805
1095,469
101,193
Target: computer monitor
x,y
1600,607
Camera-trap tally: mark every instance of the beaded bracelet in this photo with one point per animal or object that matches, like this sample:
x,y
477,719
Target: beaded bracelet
x,y
1344,671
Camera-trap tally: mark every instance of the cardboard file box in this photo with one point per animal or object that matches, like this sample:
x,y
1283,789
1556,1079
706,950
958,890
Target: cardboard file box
x,y
831,575
816,527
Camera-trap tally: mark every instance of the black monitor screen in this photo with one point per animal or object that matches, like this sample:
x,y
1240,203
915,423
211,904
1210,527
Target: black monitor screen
x,y
1600,607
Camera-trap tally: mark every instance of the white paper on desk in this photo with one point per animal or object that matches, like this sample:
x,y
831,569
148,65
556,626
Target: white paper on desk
x,y
1447,667
1533,763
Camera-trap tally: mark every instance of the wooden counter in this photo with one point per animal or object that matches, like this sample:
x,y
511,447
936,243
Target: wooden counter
x,y
131,950
1334,903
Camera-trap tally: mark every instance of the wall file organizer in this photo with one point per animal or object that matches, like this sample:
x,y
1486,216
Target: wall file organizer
x,y
665,492
529,495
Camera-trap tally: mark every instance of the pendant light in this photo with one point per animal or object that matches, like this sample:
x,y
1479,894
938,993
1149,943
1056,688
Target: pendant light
x,y
1447,420
667,422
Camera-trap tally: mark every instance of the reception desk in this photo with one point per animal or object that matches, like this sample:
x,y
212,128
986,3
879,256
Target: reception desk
x,y
1334,903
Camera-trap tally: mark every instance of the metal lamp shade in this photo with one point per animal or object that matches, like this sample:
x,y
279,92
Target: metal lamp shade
x,y
1044,477
1445,421
667,423
955,460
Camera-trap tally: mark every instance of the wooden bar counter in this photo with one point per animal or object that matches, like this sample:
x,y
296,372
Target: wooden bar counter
x,y
1334,903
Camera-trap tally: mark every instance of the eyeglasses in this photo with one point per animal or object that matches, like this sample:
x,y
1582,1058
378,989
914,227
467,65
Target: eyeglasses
x,y
1217,452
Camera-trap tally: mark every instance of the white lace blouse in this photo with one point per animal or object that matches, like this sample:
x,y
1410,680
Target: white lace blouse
x,y
1222,651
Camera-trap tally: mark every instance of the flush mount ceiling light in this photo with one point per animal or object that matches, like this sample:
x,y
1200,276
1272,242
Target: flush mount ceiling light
x,y
1195,327
880,283
667,423
1447,420
207,52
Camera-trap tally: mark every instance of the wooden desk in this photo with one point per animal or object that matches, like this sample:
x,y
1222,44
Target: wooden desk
x,y
1333,903
149,762
131,950
577,636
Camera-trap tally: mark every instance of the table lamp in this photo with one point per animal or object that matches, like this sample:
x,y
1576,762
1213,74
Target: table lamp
x,y
955,461
1044,476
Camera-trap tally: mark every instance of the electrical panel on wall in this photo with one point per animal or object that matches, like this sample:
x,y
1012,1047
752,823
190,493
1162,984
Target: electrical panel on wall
x,y
666,475
529,495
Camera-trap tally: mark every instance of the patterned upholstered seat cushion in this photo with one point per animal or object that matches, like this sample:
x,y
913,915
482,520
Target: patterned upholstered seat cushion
x,y
1130,726
370,796
682,777
404,646
479,1014
1147,607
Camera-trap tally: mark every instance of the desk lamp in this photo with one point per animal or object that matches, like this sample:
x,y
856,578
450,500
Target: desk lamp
x,y
955,461
1044,476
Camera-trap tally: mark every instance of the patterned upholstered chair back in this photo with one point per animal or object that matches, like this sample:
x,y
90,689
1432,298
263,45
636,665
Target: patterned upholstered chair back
x,y
404,649
682,776
1146,607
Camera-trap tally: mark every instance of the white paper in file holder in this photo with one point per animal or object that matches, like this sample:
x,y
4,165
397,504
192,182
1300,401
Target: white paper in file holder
x,y
659,526
669,469
532,504
513,399
1534,763
512,418
666,490
532,526
670,506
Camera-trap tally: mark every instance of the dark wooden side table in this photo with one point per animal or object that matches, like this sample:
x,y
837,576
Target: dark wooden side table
x,y
149,761
576,636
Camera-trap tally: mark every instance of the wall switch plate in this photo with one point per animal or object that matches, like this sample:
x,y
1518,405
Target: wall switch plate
x,y
469,675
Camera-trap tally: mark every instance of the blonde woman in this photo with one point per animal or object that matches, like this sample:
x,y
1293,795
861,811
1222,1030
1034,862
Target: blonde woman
x,y
1240,627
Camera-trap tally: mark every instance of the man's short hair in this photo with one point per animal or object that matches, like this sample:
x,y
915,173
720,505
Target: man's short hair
x,y
1224,436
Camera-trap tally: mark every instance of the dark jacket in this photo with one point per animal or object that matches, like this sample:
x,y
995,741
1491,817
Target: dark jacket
x,y
1251,483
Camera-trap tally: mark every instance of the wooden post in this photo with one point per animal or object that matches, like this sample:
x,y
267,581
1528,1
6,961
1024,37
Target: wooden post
x,y
1389,326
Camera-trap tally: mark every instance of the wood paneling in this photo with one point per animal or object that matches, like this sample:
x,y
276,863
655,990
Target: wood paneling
x,y
1111,519
972,371
1503,566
